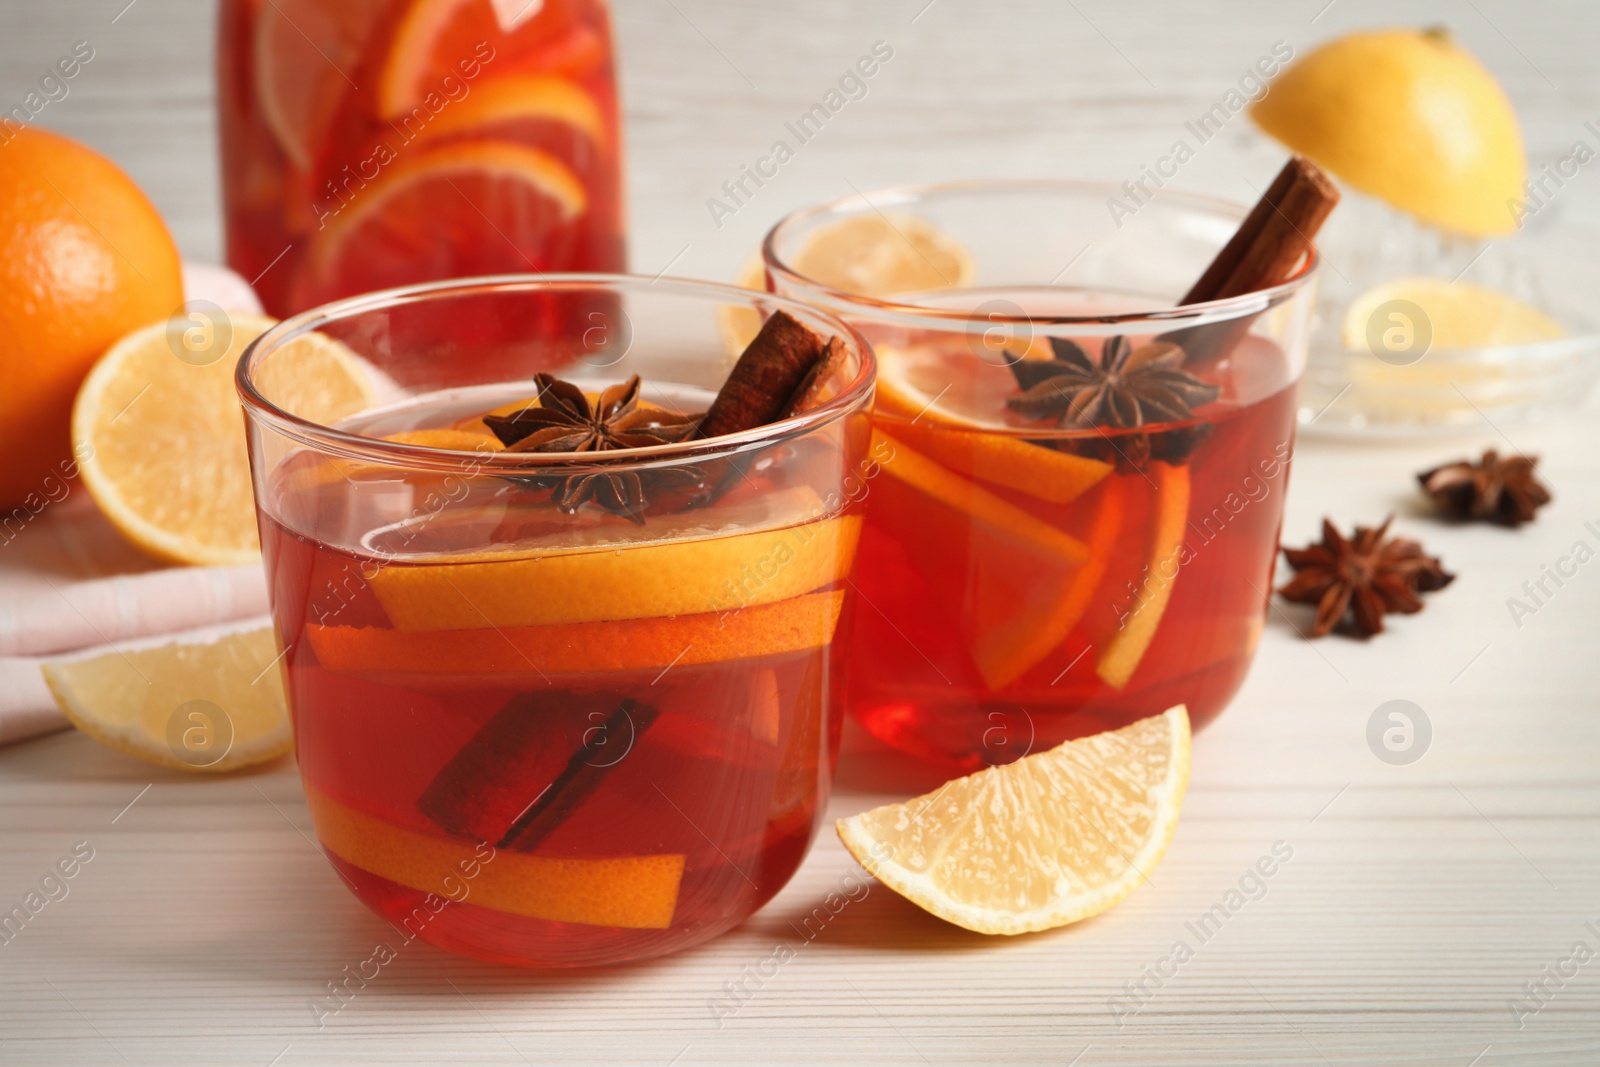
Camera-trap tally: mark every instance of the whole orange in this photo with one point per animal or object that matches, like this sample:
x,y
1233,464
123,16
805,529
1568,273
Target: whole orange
x,y
84,259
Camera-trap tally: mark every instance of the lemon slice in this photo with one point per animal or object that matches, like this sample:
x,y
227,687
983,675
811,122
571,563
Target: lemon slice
x,y
1048,840
881,255
1410,118
1455,314
740,324
209,700
159,424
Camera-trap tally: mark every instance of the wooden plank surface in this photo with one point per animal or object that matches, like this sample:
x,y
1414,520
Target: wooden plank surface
x,y
1417,903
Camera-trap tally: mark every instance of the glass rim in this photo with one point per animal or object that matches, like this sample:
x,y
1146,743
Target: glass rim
x,y
347,445
837,300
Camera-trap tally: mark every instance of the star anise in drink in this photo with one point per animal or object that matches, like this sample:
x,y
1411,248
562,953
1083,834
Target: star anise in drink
x,y
564,420
1506,491
1354,581
1126,388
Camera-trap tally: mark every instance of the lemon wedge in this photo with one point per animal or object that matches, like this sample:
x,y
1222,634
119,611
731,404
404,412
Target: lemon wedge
x,y
1046,841
209,700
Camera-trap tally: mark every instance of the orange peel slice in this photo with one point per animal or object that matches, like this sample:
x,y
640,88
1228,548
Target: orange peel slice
x,y
529,652
634,892
638,580
520,98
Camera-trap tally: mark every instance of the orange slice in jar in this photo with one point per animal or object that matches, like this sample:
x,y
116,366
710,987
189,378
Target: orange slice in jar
x,y
305,54
472,39
428,214
519,102
528,654
951,405
633,892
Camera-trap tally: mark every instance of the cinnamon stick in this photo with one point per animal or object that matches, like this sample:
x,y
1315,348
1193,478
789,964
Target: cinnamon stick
x,y
1266,250
813,386
531,765
765,379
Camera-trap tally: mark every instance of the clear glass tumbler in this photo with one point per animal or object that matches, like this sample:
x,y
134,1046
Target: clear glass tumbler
x,y
1081,485
533,731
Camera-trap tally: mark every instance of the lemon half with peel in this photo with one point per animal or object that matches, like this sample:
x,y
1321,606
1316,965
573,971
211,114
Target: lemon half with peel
x,y
159,424
1046,841
1409,117
207,700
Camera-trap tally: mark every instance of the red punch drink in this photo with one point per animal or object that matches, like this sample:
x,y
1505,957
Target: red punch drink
x,y
558,710
1078,500
373,143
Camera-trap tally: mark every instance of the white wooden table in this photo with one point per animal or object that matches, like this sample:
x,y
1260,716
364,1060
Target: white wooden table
x,y
1419,900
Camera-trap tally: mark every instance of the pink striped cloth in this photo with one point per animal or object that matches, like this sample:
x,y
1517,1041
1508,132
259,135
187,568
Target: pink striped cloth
x,y
102,613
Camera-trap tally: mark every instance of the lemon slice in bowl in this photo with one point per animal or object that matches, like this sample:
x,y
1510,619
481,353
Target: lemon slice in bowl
x,y
1046,841
161,440
880,255
1453,314
208,700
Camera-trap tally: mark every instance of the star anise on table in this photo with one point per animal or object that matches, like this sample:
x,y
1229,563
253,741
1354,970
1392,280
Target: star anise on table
x,y
1126,388
566,421
1356,580
1506,491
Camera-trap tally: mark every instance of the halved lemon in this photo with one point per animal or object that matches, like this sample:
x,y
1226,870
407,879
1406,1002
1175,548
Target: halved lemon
x,y
1046,841
1459,314
1409,117
209,700
159,424
428,213
882,255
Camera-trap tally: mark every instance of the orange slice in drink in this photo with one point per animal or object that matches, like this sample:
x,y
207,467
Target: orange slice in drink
x,y
511,654
435,39
1119,659
306,57
633,892
428,214
992,512
951,406
1007,651
689,570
